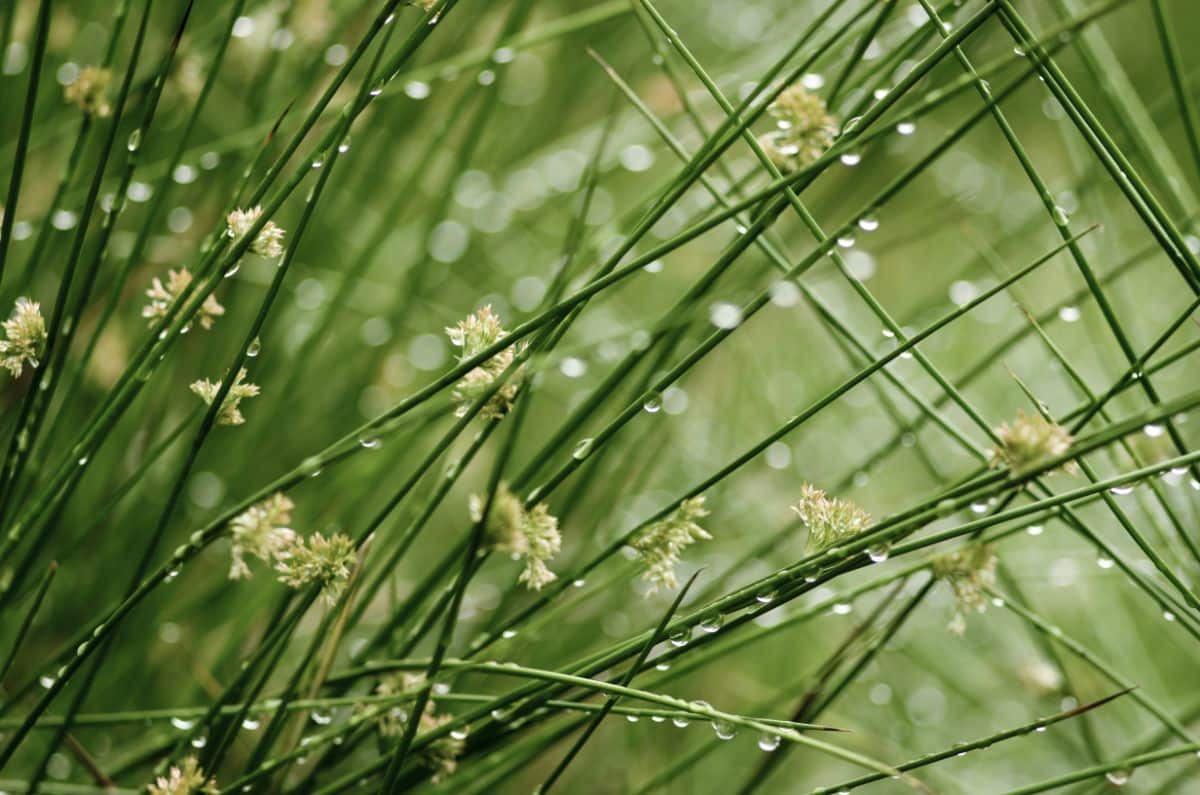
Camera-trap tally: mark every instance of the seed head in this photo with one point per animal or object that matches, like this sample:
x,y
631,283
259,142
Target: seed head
x,y
440,756
1029,442
325,561
229,413
828,519
90,91
25,335
262,531
661,544
474,335
187,779
532,535
804,128
969,572
163,296
268,243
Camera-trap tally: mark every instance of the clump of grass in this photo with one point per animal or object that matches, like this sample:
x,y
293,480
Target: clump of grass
x,y
689,259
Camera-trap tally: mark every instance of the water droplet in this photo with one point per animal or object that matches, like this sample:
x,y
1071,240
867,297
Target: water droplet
x,y
1034,529
842,608
680,721
765,597
846,241
906,127
255,348
724,729
1118,778
1121,491
1153,430
879,553
1168,615
1105,563
199,742
182,723
582,449
868,223
83,461
46,681
769,742
1017,51
459,734
711,623
851,159
508,633
321,718
631,718
653,403
135,140
232,270
681,637
979,507
250,724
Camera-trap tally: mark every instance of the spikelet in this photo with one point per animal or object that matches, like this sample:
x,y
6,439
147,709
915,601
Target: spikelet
x,y
1030,441
661,544
25,336
828,519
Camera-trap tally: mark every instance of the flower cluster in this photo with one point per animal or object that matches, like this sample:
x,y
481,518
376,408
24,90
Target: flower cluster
x,y
969,572
261,531
163,296
804,129
1029,442
660,544
89,91
439,756
828,519
229,413
530,534
474,335
269,241
320,560
187,779
25,334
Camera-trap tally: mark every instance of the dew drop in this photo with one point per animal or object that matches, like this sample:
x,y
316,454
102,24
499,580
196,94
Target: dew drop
x,y
1121,491
653,403
878,554
1118,778
769,742
851,159
321,718
680,721
1034,529
711,623
255,348
582,449
250,724
459,734
764,598
135,140
680,638
906,128
1153,430
868,223
182,723
724,729
1105,563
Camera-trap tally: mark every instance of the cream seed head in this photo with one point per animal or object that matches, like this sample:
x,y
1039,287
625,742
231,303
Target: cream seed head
x,y
661,544
828,519
969,572
162,297
269,241
804,128
229,413
185,779
25,336
474,335
261,531
532,535
89,91
1030,441
327,562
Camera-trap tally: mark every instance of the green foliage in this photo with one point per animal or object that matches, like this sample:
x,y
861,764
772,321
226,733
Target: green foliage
x,y
547,307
